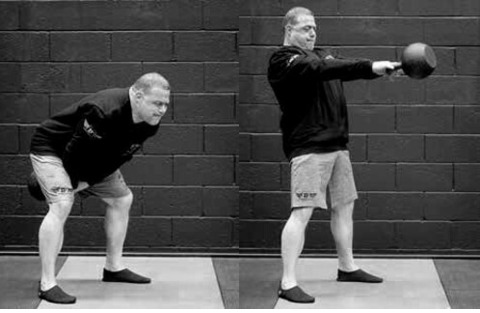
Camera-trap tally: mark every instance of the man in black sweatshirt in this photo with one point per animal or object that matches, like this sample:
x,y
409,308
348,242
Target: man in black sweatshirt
x,y
307,83
81,149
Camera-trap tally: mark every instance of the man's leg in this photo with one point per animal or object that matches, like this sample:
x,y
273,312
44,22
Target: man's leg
x,y
293,239
50,238
341,225
116,225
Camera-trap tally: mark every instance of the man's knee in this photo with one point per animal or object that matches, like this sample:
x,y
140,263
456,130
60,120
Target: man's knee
x,y
123,203
61,209
301,215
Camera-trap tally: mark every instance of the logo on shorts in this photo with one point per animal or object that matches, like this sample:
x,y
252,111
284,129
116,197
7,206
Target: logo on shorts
x,y
61,190
306,195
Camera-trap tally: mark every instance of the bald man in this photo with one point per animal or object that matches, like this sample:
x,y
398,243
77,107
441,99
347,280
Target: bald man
x,y
81,149
307,83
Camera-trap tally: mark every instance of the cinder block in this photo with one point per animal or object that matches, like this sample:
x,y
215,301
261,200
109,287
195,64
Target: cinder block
x,y
18,230
10,77
374,176
183,77
148,170
266,31
199,108
467,119
272,7
149,232
9,16
256,89
425,119
23,46
367,7
444,90
23,108
395,206
371,118
446,61
271,205
175,139
285,176
254,59
318,235
466,177
221,14
59,102
452,206
452,33
361,205
246,204
221,77
93,15
465,235
203,170
142,46
51,77
267,148
202,232
391,148
80,46
259,176
84,231
260,234
174,201
371,53
374,235
468,60
423,235
371,32
245,30
259,118
356,91
452,148
9,139
402,90
245,147
358,148
467,7
426,7
222,139
209,46
15,169
220,201
425,177
98,76
10,200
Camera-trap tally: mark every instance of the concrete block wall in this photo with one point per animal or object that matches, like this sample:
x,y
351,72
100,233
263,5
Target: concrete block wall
x,y
415,145
184,181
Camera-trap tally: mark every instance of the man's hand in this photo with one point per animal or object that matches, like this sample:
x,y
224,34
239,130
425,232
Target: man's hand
x,y
385,67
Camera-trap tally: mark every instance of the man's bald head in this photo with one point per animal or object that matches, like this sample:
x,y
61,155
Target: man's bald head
x,y
149,81
291,17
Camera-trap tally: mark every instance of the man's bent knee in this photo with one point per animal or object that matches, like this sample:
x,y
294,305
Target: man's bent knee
x,y
61,209
124,202
301,214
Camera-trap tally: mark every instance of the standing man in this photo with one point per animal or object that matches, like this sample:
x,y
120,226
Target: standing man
x,y
307,83
81,149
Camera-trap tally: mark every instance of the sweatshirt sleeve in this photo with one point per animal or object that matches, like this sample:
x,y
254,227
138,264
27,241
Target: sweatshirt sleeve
x,y
296,65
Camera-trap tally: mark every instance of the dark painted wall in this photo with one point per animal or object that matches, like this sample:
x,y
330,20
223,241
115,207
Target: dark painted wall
x,y
415,145
55,52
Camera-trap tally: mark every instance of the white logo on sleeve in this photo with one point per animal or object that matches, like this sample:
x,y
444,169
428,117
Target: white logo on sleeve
x,y
90,131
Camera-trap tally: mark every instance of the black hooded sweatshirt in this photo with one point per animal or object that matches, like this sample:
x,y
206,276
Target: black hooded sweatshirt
x,y
308,87
94,136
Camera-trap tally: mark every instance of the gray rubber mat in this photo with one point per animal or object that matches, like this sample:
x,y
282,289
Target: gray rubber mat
x,y
461,282
19,277
227,270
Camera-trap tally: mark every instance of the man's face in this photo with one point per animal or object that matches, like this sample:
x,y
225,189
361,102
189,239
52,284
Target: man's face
x,y
153,105
303,34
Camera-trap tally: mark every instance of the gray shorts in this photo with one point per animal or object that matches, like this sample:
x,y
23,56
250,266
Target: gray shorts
x,y
56,185
312,173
